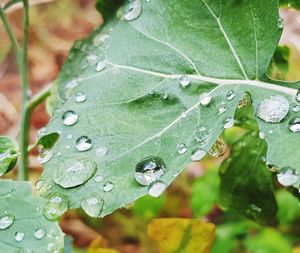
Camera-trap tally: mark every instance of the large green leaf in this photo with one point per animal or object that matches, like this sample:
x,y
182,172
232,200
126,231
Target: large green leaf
x,y
142,79
23,228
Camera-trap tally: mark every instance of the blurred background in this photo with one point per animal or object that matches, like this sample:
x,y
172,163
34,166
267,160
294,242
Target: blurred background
x,y
55,25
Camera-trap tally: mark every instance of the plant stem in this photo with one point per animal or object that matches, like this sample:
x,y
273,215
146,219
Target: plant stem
x,y
25,113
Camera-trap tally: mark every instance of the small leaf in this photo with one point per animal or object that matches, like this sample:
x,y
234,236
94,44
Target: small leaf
x,y
182,235
8,154
246,183
22,224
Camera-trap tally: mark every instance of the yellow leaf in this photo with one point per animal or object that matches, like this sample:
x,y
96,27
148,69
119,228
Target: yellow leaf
x,y
95,247
182,235
296,250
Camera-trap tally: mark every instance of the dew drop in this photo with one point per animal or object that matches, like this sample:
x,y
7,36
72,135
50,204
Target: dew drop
x,y
83,143
74,171
101,151
99,179
131,11
80,97
100,39
184,81
202,135
273,109
228,123
107,187
93,206
294,124
150,169
198,155
69,118
156,189
69,136
296,108
39,233
181,148
280,23
176,173
19,236
6,221
55,208
165,96
100,66
262,135
287,176
218,149
298,96
45,155
39,184
222,107
230,95
205,99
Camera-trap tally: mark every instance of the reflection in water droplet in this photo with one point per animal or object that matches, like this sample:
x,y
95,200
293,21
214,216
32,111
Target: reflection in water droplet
x,y
184,81
294,124
218,149
287,176
107,187
198,155
131,11
156,188
273,109
19,236
228,123
6,221
181,148
74,171
150,169
45,155
93,206
80,97
39,233
69,118
205,99
83,143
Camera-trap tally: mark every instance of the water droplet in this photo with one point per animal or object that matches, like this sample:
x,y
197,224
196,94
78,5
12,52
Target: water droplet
x,y
218,149
205,99
156,188
176,173
287,176
183,115
45,155
184,81
150,169
181,148
99,179
198,155
107,187
69,136
230,95
228,123
55,207
273,109
131,11
294,124
39,184
69,118
92,206
101,151
202,135
74,171
80,97
222,107
296,108
280,23
19,236
100,66
83,143
39,233
262,135
298,96
151,92
100,39
6,221
165,96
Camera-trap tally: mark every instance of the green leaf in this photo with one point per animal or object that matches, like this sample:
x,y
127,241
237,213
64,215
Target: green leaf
x,y
147,207
141,81
246,183
205,193
22,224
8,154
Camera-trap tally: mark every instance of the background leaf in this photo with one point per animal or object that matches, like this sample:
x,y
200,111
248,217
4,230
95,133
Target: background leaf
x,y
8,154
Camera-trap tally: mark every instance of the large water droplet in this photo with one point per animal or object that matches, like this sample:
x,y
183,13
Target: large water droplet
x,y
39,233
218,149
156,188
228,123
294,124
287,176
230,95
205,99
69,118
45,155
19,236
131,11
55,207
6,221
93,206
74,171
184,81
150,169
107,187
80,97
83,143
198,155
222,107
273,109
181,148
280,23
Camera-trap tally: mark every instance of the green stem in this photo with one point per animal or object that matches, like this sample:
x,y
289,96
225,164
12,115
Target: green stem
x,y
25,113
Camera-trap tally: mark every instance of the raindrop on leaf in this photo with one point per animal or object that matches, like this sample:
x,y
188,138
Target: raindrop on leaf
x,y
69,118
156,188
